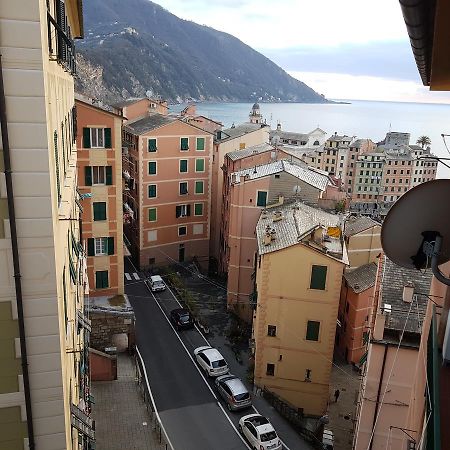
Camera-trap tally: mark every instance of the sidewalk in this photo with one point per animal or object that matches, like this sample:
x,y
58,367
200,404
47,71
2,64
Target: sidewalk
x,y
121,418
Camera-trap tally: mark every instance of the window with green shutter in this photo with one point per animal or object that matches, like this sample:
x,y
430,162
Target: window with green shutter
x,y
184,144
101,279
72,270
88,175
318,277
152,215
199,187
261,199
200,165
183,165
58,182
152,168
107,137
152,145
86,138
99,210
109,177
151,190
91,247
183,188
198,209
200,143
312,330
111,246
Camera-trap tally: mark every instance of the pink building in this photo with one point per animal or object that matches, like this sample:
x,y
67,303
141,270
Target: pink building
x,y
136,108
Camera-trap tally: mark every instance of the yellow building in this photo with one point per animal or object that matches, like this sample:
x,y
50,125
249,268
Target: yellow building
x,y
301,257
44,374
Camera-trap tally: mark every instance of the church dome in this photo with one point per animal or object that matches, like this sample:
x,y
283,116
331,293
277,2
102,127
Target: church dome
x,y
255,106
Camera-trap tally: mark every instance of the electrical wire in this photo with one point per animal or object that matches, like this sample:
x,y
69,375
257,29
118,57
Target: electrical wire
x,y
445,143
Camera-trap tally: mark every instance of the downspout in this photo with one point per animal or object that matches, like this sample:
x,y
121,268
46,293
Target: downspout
x,y
378,396
16,264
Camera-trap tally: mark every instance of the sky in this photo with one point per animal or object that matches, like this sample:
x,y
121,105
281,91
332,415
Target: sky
x,y
350,49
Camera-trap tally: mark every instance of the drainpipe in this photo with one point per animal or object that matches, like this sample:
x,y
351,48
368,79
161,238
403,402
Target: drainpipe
x,y
378,395
16,264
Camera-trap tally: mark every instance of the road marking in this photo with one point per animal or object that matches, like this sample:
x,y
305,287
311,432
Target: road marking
x,y
136,276
128,276
153,401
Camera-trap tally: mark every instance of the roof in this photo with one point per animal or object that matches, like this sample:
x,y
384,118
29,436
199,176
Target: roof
x,y
393,281
297,222
254,150
240,130
149,123
212,354
338,138
289,135
354,225
309,176
128,101
97,104
361,278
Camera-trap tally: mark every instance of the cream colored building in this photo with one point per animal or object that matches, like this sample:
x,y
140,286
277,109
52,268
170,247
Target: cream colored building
x,y
44,373
301,257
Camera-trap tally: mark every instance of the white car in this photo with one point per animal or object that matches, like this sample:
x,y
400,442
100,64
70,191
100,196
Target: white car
x,y
211,361
157,283
259,432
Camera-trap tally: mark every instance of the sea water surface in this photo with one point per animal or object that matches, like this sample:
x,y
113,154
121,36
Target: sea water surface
x,y
362,119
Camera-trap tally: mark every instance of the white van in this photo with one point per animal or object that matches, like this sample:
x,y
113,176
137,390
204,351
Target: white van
x,y
157,283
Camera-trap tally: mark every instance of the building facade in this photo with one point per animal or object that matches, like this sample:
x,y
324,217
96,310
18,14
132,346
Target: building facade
x,y
301,257
44,366
99,143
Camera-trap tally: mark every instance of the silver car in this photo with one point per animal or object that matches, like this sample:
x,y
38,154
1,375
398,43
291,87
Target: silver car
x,y
234,392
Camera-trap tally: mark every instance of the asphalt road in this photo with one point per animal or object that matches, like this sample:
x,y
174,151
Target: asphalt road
x,y
191,415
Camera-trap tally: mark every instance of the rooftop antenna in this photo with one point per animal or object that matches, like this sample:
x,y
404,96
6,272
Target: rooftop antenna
x,y
390,127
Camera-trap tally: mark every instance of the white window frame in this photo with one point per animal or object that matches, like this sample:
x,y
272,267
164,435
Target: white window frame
x,y
97,169
203,187
100,246
179,165
179,188
204,165
183,210
204,144
97,132
198,203
156,168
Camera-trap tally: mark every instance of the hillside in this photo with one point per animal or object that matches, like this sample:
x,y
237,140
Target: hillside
x,y
134,47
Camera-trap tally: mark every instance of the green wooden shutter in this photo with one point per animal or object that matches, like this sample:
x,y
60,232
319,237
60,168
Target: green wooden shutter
x,y
90,247
188,210
152,214
108,175
99,210
98,280
107,137
184,143
152,145
88,175
152,167
58,185
312,330
199,187
110,246
318,277
183,165
200,165
86,137
198,209
200,143
177,211
262,198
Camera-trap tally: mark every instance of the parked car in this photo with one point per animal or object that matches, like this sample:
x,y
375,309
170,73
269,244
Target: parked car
x,y
181,318
157,283
234,392
211,361
259,432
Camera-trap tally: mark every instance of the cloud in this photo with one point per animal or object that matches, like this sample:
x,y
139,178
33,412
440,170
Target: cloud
x,y
380,59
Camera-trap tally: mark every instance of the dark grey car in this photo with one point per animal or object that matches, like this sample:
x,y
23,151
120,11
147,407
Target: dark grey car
x,y
234,392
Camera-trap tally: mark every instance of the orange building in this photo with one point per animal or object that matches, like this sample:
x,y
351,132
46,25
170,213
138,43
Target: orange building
x,y
167,165
100,174
136,108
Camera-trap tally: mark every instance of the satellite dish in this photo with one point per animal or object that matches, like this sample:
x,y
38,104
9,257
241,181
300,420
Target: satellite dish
x,y
416,230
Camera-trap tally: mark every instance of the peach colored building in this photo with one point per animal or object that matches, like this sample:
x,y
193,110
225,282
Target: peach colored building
x,y
189,115
299,265
250,192
137,108
99,143
392,359
363,239
167,204
355,308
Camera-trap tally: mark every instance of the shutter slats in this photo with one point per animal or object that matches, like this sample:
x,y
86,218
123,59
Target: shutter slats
x,y
107,137
108,175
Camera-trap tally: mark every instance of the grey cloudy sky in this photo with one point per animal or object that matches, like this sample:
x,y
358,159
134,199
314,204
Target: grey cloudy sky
x,y
349,49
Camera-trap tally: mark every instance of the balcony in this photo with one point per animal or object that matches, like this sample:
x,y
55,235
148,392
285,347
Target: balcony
x,y
60,43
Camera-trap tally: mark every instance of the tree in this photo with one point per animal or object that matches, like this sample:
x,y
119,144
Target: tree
x,y
423,141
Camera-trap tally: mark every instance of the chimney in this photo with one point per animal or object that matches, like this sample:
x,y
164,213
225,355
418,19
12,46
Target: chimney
x,y
277,216
267,238
408,292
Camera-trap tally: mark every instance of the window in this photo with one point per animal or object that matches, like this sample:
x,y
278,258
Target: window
x,y
318,277
183,188
151,261
152,235
200,144
152,215
270,370
200,165
261,198
182,231
152,190
101,246
183,165
99,210
97,138
101,279
312,330
152,167
198,209
271,330
97,175
308,375
182,210
199,187
152,145
184,144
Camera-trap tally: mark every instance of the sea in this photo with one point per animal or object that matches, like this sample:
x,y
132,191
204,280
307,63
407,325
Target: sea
x,y
359,118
